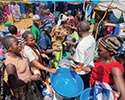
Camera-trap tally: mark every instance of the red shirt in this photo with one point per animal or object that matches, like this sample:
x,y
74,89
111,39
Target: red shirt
x,y
102,72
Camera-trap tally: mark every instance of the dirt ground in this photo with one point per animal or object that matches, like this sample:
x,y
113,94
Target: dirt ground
x,y
24,23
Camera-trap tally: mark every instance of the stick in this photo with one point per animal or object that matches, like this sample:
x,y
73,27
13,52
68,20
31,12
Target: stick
x,y
102,19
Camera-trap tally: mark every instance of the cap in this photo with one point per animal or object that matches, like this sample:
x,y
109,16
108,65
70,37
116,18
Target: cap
x,y
7,24
36,17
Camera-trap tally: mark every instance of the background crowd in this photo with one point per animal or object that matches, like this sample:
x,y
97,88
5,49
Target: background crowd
x,y
30,56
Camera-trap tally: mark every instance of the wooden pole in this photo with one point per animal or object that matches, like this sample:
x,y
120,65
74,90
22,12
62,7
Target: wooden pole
x,y
103,18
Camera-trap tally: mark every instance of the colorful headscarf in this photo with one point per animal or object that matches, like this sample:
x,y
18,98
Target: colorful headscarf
x,y
111,43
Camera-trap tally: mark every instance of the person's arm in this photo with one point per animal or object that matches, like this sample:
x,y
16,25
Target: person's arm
x,y
13,80
70,42
42,67
79,67
110,24
48,51
119,82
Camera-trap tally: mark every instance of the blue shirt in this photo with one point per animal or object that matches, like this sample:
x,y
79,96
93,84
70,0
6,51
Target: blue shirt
x,y
44,41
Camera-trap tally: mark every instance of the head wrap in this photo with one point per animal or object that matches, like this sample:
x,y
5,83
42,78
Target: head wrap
x,y
36,17
111,43
62,18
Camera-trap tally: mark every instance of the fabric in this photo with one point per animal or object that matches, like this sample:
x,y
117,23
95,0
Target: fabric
x,y
88,12
102,72
28,52
22,67
20,38
52,17
35,31
84,52
22,8
5,90
122,30
62,18
58,43
86,79
27,92
116,30
103,91
44,41
111,43
47,25
32,53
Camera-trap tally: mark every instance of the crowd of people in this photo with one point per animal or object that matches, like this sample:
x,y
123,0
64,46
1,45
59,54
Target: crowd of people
x,y
30,57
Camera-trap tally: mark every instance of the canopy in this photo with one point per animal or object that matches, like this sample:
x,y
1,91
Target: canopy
x,y
57,0
8,1
117,6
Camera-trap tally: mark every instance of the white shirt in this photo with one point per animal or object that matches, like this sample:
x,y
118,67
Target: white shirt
x,y
85,52
30,54
122,30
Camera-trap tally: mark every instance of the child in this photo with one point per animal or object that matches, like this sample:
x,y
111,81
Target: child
x,y
32,52
20,78
107,69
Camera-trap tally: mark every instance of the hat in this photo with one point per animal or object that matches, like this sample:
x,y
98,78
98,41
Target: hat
x,y
111,43
47,28
36,17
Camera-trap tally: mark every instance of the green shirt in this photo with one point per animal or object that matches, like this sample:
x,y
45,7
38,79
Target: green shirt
x,y
35,31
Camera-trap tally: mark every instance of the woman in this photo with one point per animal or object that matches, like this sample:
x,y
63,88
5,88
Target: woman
x,y
107,69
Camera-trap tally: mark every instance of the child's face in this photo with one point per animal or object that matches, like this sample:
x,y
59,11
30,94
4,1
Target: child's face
x,y
15,46
30,40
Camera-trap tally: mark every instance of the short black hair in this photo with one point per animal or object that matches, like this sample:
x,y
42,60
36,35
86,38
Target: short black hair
x,y
6,41
26,34
12,29
84,26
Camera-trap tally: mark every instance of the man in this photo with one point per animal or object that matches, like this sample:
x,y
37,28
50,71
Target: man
x,y
45,44
84,53
35,27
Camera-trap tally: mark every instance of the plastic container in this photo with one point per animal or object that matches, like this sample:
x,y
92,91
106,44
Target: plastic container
x,y
67,83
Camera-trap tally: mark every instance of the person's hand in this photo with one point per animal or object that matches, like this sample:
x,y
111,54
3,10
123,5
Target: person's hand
x,y
77,68
52,70
35,77
70,58
27,80
57,49
44,55
66,42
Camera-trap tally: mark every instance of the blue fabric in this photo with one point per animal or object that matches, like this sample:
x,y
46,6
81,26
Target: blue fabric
x,y
116,30
113,18
44,41
47,25
22,8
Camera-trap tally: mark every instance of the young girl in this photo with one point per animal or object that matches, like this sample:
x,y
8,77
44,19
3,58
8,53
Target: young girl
x,y
32,52
107,69
20,78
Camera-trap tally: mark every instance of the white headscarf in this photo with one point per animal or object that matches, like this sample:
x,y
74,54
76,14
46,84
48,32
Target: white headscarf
x,y
64,18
